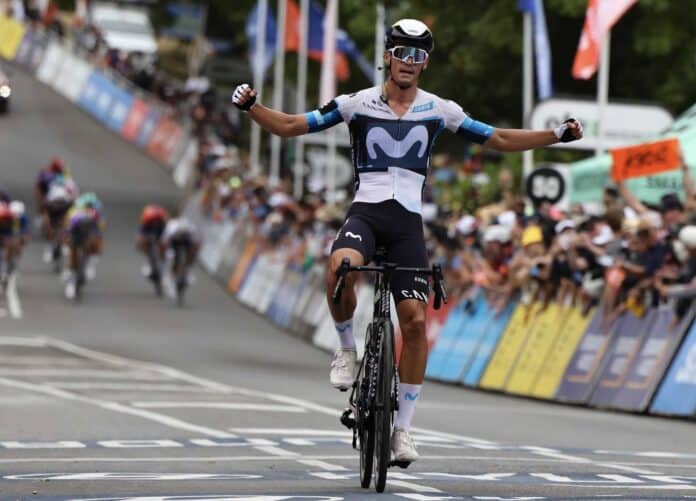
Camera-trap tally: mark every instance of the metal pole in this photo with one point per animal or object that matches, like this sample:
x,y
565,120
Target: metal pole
x,y
379,43
301,96
278,77
527,91
602,91
258,82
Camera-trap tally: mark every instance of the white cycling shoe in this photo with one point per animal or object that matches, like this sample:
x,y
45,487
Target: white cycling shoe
x,y
342,368
402,446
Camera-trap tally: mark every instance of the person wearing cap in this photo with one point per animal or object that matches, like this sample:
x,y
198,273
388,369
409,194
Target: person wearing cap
x,y
393,128
684,287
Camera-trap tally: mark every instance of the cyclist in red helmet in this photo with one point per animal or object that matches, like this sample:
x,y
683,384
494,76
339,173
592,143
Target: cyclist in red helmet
x,y
7,247
153,220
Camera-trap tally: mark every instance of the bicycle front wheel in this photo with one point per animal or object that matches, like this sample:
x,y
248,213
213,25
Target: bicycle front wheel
x,y
384,401
366,417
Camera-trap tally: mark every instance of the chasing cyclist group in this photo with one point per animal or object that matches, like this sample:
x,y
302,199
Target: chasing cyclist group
x,y
72,225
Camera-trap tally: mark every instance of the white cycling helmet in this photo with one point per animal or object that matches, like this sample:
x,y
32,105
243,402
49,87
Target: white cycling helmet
x,y
17,208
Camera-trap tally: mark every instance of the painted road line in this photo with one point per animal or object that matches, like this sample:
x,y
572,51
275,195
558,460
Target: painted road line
x,y
136,476
553,453
277,451
323,465
79,373
291,431
113,406
412,486
13,302
42,361
38,342
134,387
651,454
219,405
63,444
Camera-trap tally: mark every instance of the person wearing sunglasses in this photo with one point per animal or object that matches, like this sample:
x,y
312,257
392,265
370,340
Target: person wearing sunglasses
x,y
393,129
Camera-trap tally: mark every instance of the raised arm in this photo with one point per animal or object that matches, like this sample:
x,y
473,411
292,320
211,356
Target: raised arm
x,y
523,139
688,180
630,198
275,122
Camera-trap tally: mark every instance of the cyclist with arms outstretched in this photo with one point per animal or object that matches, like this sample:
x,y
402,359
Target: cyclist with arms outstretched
x,y
393,128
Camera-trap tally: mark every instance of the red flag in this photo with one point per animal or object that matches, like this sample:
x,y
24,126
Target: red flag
x,y
292,41
600,17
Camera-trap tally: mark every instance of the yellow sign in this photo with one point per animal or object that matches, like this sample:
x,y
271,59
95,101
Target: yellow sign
x,y
546,326
11,34
552,372
506,352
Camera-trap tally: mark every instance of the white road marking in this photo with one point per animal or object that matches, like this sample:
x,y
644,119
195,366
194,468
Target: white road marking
x,y
316,463
134,387
13,302
77,373
291,431
237,406
624,467
138,444
42,361
412,486
553,453
113,406
277,451
652,454
22,341
64,444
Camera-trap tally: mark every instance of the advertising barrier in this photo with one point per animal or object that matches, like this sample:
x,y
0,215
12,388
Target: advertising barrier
x,y
451,329
628,336
50,63
121,102
494,330
164,140
559,357
545,326
578,381
677,393
71,77
505,354
98,96
649,365
135,120
11,34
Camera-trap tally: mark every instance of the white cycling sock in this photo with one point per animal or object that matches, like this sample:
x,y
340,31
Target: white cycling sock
x,y
408,397
345,334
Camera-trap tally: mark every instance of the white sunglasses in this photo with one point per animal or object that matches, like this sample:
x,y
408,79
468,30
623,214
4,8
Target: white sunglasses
x,y
402,53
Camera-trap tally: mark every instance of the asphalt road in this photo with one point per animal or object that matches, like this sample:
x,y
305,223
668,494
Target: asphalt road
x,y
125,396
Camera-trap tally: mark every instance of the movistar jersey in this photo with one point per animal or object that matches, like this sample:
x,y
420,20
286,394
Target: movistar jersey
x,y
391,154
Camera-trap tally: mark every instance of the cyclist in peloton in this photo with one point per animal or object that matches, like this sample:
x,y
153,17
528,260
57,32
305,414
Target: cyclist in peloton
x,y
393,128
180,233
153,220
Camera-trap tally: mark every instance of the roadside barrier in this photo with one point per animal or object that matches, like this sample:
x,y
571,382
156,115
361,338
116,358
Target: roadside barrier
x,y
112,100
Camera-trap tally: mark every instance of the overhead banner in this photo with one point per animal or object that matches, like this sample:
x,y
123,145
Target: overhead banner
x,y
627,340
645,159
650,364
677,394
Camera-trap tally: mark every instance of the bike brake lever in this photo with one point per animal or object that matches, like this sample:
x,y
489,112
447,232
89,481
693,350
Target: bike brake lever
x,y
341,273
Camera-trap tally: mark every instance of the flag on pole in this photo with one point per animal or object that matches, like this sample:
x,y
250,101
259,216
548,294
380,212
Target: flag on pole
x,y
542,49
601,15
315,40
327,89
269,52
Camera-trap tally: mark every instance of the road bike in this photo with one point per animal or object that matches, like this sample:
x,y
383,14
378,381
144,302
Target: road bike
x,y
153,259
374,395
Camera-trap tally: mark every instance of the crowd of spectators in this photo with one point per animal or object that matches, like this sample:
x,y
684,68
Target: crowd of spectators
x,y
628,255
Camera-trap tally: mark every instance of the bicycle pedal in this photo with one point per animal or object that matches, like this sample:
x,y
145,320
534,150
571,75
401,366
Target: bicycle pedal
x,y
400,464
343,390
347,420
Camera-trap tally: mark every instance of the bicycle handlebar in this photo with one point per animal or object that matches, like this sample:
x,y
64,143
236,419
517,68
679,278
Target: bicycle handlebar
x,y
435,272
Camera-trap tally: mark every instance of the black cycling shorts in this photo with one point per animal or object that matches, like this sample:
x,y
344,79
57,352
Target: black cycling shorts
x,y
82,231
388,224
57,211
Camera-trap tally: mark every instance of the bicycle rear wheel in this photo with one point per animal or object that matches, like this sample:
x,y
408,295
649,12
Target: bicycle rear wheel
x,y
383,403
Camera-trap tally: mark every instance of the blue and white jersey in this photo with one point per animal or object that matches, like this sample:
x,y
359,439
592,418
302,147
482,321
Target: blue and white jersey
x,y
391,154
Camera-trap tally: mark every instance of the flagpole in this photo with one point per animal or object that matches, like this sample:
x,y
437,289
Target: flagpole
x,y
328,89
278,77
602,91
527,90
379,44
258,82
301,96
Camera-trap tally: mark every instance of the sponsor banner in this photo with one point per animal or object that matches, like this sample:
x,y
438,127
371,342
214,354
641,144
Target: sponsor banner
x,y
249,291
546,326
98,96
287,295
38,49
645,159
578,380
435,321
11,34
630,331
271,277
23,55
51,63
165,139
240,271
509,347
677,393
452,328
122,101
311,297
494,330
215,238
148,125
471,330
72,77
650,364
558,359
135,120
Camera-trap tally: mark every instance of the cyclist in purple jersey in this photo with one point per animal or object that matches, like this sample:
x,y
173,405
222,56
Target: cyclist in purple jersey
x,y
393,129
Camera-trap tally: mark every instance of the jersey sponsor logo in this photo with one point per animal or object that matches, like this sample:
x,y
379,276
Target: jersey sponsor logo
x,y
378,136
414,294
350,234
420,280
423,107
411,396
